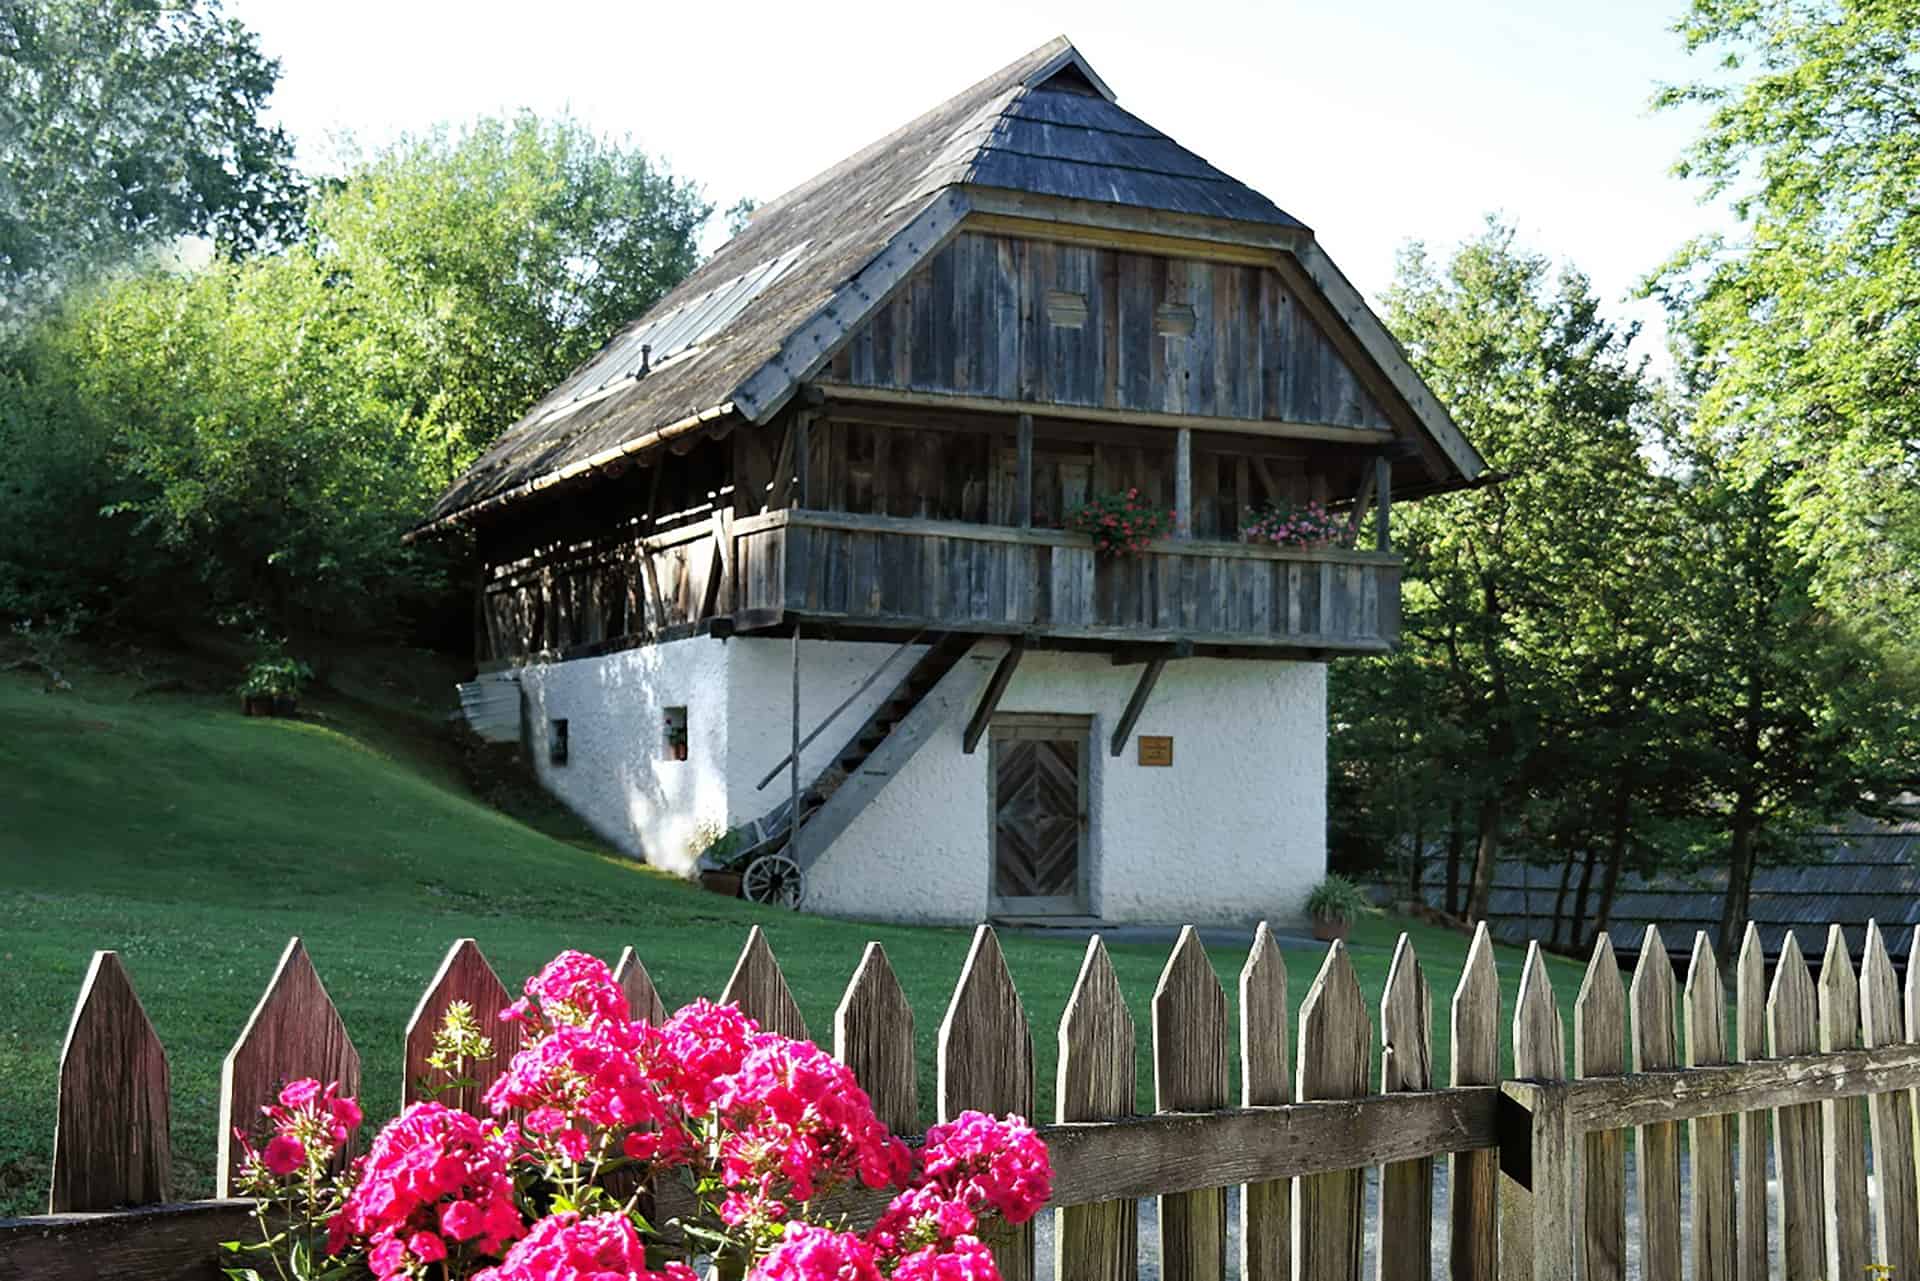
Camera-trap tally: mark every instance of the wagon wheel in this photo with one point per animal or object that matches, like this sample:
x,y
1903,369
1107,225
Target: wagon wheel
x,y
774,878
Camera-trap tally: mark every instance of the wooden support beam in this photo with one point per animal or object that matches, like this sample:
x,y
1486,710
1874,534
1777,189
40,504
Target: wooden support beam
x,y
1382,504
1135,705
990,697
1182,485
1023,474
802,459
1128,655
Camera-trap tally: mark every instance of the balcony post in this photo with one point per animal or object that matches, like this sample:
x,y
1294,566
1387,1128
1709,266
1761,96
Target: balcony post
x,y
1023,473
1383,504
1183,483
802,459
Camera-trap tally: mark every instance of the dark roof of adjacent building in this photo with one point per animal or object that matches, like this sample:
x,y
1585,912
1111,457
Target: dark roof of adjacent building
x,y
734,338
1854,873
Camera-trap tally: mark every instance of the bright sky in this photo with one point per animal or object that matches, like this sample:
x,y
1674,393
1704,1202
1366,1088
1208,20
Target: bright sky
x,y
1374,121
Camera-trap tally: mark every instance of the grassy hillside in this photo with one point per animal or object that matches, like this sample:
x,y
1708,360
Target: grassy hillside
x,y
196,841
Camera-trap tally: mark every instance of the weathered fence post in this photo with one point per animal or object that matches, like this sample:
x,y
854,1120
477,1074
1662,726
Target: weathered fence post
x,y
111,1144
643,998
760,990
1896,1193
1537,1212
1656,1147
1843,1143
1094,1082
1190,1075
1472,1182
1332,1064
464,975
1600,1049
873,1035
1792,1028
1710,1138
1266,1080
1749,1046
1405,1250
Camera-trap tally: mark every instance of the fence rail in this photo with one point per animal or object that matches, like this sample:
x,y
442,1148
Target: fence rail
x,y
1537,1162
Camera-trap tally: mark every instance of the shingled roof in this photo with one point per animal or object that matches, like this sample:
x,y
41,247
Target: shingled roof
x,y
739,334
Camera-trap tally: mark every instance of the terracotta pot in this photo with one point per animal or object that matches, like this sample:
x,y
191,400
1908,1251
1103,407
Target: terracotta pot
x,y
256,704
727,883
678,751
1330,929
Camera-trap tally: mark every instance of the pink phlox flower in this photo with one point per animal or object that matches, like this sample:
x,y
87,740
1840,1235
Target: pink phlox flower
x,y
573,988
431,1168
809,1253
570,1247
989,1163
967,1259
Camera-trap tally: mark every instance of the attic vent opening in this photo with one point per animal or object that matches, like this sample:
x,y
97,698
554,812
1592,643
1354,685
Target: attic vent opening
x,y
1066,309
1173,320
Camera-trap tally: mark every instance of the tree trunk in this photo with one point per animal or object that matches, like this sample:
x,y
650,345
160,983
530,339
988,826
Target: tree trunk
x,y
1616,859
1560,903
1486,851
1454,841
1736,907
1579,932
1417,866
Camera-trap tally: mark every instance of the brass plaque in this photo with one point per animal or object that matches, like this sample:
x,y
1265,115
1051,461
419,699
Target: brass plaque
x,y
1156,749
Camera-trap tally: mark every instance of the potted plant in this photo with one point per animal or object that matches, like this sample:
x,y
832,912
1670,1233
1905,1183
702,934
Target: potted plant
x,y
1333,905
677,739
272,683
718,857
1120,524
1308,526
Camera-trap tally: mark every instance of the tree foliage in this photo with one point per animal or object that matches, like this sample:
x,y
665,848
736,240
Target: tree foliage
x,y
1804,328
127,122
254,437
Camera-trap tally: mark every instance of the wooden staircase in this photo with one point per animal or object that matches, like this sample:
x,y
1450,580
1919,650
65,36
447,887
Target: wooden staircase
x,y
922,700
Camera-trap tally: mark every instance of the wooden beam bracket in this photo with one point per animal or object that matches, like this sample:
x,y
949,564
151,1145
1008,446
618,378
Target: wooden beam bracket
x,y
990,697
1128,655
1135,705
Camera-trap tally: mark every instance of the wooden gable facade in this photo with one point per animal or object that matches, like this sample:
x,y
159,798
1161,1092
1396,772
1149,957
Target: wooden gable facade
x,y
906,455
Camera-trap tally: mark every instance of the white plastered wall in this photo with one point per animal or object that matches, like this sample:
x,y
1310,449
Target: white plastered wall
x,y
1234,830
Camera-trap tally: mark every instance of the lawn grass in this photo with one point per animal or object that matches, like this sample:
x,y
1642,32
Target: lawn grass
x,y
195,841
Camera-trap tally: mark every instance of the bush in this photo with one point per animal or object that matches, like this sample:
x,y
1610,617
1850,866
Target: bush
x,y
1338,899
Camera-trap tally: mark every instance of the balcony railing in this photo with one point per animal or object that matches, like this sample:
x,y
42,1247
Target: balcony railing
x,y
892,572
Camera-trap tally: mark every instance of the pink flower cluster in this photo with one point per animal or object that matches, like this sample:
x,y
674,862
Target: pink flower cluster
x,y
434,1176
308,1124
1121,524
569,1247
758,1125
1290,525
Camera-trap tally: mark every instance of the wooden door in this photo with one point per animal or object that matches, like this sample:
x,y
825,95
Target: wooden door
x,y
1039,777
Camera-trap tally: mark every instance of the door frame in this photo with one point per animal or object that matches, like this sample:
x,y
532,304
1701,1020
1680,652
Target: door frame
x,y
1047,727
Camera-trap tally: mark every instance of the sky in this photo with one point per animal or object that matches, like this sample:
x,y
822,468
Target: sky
x,y
1376,122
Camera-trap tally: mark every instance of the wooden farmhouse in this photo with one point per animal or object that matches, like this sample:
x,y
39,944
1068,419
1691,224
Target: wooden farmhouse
x,y
822,493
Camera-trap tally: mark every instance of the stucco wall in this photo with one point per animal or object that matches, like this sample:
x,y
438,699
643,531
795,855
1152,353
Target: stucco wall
x,y
1234,830
618,776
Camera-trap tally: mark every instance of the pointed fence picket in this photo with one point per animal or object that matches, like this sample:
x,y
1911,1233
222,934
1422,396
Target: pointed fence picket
x,y
1266,1080
294,1032
464,976
1539,1153
1709,1138
1650,1002
111,1145
1896,1197
1600,1049
1095,1083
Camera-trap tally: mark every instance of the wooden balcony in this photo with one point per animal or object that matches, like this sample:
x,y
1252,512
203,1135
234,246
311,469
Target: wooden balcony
x,y
890,573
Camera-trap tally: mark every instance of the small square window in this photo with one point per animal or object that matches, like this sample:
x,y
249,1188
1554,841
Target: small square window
x,y
557,742
675,733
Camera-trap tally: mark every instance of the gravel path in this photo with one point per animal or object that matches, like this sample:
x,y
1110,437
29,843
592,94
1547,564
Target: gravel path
x,y
1149,1246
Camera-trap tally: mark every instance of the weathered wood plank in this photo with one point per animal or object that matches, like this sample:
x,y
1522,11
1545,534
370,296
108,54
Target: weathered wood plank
x,y
1405,1243
112,1145
1599,1050
178,1242
1896,1192
1539,1054
643,998
873,1035
464,975
1190,1074
1749,1046
1656,1147
1266,1078
1095,1083
1793,1029
1709,1138
1472,1183
294,1032
985,1057
1843,1138
760,990
1718,1091
1331,1064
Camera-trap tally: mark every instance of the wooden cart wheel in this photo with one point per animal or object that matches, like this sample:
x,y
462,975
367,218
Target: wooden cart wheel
x,y
774,878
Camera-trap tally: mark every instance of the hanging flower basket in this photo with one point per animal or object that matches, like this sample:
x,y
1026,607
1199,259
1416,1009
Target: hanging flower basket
x,y
1304,526
1120,523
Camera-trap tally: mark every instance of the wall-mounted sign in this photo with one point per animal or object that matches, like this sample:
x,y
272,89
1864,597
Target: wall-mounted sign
x,y
1156,749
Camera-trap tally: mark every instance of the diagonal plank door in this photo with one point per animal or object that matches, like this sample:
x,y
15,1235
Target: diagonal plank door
x,y
1039,846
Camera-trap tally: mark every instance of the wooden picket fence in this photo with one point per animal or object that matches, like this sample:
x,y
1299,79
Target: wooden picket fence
x,y
1818,1074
